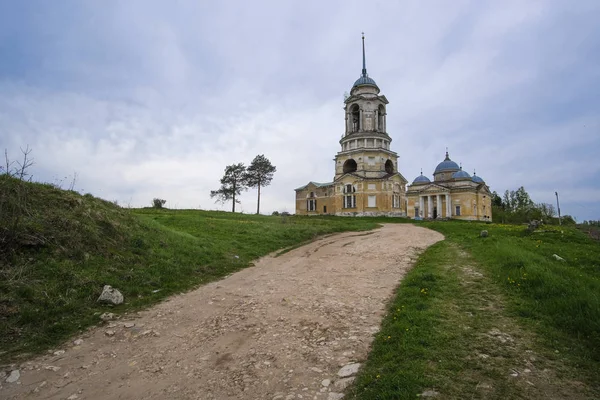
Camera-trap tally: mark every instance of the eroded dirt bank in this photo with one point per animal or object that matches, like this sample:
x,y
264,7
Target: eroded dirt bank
x,y
282,329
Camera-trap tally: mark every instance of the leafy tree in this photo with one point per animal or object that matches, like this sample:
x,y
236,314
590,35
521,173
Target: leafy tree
x,y
522,199
232,184
259,174
496,200
158,203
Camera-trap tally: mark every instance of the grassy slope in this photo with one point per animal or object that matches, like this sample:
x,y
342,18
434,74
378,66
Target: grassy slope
x,y
438,325
49,287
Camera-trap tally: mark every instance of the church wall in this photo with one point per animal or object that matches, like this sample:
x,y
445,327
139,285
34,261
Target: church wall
x,y
324,196
468,202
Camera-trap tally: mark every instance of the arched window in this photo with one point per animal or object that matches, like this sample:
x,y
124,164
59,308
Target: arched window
x,y
350,166
355,115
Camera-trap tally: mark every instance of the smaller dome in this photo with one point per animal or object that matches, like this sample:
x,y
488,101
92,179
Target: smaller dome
x,y
421,179
477,179
446,165
460,174
364,80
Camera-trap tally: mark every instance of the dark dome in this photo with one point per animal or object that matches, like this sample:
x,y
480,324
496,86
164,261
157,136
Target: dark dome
x,y
365,80
421,179
447,165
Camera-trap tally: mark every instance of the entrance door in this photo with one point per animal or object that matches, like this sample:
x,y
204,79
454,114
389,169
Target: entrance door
x,y
434,212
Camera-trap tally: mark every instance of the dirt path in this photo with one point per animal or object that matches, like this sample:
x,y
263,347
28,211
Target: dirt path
x,y
279,330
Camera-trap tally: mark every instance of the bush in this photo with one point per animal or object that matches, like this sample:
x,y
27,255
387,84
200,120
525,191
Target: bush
x,y
275,213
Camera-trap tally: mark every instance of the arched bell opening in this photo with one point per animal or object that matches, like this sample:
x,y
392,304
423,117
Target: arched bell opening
x,y
350,166
381,118
389,167
355,115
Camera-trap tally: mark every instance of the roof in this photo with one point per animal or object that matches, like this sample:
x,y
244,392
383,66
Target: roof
x,y
317,184
477,179
461,174
421,179
446,165
365,80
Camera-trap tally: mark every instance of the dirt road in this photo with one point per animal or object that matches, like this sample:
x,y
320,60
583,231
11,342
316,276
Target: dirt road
x,y
279,330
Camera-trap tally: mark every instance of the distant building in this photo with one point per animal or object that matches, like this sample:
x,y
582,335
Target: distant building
x,y
367,181
452,194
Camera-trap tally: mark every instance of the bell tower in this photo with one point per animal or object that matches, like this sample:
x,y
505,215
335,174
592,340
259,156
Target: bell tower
x,y
365,145
367,181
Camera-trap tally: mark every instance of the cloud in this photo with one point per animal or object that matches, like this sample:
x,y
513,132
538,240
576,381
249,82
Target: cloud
x,y
148,99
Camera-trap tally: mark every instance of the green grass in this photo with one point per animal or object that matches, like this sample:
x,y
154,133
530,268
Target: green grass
x,y
560,298
49,287
462,288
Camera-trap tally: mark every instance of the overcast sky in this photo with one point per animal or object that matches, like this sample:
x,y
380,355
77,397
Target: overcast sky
x,y
145,99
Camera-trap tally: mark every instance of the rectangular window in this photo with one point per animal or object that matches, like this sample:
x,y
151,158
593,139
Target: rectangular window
x,y
372,201
457,211
396,201
311,205
324,209
416,211
371,186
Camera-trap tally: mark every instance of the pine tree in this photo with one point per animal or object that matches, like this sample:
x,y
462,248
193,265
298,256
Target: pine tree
x,y
259,174
232,184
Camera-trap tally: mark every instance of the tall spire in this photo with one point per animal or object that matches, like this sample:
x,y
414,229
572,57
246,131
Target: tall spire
x,y
364,70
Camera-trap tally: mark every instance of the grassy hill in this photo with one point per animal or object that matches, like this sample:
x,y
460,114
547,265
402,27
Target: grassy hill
x,y
59,248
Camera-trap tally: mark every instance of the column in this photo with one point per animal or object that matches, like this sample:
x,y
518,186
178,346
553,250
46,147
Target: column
x,y
439,205
360,120
448,206
376,122
421,206
429,206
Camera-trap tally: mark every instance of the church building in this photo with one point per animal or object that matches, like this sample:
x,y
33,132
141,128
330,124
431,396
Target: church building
x,y
367,181
452,194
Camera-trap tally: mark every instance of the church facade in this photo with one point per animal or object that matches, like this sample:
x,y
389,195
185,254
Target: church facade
x,y
367,181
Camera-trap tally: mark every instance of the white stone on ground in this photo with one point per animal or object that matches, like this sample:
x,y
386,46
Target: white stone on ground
x,y
14,376
348,370
110,295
